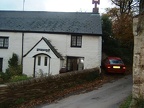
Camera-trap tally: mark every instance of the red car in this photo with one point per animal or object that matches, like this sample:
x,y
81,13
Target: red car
x,y
114,65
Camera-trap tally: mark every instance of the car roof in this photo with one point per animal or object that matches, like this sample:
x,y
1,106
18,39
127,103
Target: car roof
x,y
114,58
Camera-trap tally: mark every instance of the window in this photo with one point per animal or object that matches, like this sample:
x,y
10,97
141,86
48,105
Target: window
x,y
45,61
39,60
76,41
4,42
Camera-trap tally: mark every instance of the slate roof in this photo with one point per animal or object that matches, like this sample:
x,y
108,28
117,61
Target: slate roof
x,y
51,22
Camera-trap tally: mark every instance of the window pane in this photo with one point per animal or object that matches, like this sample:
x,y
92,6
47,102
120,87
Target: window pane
x,y
39,60
73,40
79,40
45,61
6,42
1,42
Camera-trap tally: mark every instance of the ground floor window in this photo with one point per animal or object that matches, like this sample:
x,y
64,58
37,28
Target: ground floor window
x,y
39,60
75,63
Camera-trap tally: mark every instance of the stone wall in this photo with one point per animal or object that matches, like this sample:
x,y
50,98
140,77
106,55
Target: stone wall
x,y
138,60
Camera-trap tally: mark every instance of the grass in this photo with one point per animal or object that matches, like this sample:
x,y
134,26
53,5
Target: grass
x,y
126,103
19,78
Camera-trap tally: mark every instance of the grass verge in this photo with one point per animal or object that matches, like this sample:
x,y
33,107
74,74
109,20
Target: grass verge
x,y
126,103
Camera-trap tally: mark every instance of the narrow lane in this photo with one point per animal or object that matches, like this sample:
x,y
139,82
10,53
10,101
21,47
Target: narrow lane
x,y
110,95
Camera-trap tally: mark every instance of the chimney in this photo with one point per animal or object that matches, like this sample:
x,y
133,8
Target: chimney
x,y
96,9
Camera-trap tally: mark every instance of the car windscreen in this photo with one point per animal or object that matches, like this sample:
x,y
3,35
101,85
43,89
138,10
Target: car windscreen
x,y
115,61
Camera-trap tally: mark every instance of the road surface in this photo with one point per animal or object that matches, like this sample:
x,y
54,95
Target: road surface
x,y
110,95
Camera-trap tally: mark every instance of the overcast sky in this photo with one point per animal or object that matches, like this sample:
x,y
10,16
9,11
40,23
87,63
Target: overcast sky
x,y
53,5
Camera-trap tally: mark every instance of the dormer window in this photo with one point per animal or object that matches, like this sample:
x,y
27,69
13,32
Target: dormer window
x,y
76,41
4,42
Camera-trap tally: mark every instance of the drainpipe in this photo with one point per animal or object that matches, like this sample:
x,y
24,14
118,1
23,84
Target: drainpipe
x,y
22,50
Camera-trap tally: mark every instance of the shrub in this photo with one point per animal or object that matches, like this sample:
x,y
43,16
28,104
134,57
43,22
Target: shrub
x,y
12,71
13,67
5,76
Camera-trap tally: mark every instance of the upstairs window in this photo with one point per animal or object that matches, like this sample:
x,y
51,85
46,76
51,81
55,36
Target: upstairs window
x,y
76,41
4,42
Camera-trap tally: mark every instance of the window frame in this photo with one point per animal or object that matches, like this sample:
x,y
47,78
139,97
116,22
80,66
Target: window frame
x,y
5,44
76,41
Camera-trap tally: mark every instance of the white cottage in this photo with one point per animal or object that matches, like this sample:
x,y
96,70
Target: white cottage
x,y
46,42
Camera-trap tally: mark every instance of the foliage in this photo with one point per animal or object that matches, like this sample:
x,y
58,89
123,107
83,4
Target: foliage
x,y
141,6
122,26
126,103
14,70
4,105
4,76
19,78
106,28
115,42
127,6
52,86
20,101
13,67
139,102
119,41
13,62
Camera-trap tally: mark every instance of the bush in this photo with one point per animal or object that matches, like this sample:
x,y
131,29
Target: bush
x,y
14,70
5,76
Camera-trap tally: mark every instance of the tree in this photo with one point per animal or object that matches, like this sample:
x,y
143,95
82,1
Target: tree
x,y
106,27
122,22
125,6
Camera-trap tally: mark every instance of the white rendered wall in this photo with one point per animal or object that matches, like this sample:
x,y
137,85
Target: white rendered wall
x,y
28,63
28,66
90,50
15,46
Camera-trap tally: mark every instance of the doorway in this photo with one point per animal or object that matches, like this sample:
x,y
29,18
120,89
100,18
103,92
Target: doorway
x,y
75,63
42,65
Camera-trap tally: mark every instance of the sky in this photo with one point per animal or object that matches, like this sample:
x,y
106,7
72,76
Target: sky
x,y
54,5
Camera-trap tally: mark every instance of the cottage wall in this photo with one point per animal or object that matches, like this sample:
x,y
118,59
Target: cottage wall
x,y
90,50
15,46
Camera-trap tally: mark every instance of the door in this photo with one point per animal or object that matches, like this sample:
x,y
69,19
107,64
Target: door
x,y
72,64
42,65
1,64
75,63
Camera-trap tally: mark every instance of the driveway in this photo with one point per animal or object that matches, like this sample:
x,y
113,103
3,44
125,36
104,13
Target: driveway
x,y
110,95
